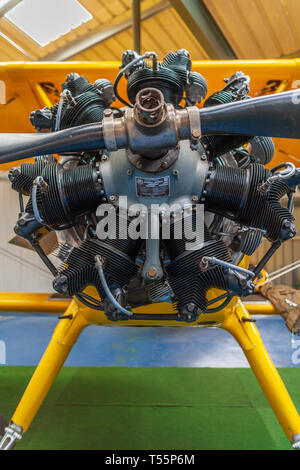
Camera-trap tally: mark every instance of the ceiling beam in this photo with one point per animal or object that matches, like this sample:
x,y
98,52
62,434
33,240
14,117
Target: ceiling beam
x,y
3,10
201,23
95,37
8,6
291,55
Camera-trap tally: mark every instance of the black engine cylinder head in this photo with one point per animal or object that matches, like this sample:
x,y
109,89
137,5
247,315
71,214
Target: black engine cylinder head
x,y
165,80
89,108
173,77
77,84
246,241
236,89
196,89
217,145
78,269
190,283
83,103
262,149
179,59
218,98
277,220
180,62
235,193
250,242
22,177
89,103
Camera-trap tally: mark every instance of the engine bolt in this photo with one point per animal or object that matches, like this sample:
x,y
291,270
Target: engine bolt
x,y
195,198
164,165
203,156
60,284
175,172
203,264
196,134
129,172
112,198
41,183
107,112
13,174
104,158
152,272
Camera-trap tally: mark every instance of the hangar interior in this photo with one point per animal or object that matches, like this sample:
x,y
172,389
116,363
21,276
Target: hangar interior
x,y
141,388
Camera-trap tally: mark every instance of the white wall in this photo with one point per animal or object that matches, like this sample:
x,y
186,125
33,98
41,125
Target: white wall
x,y
21,270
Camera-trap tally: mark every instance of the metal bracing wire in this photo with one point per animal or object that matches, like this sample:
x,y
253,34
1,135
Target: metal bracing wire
x,y
23,262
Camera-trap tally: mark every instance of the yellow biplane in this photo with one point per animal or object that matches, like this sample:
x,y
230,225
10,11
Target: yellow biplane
x,y
28,86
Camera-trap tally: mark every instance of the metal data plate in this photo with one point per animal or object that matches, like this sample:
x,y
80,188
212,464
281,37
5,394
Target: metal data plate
x,y
152,187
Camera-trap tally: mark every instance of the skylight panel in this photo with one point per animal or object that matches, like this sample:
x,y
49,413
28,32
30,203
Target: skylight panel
x,y
3,2
46,20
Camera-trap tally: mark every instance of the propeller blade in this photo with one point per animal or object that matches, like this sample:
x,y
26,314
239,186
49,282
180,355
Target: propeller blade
x,y
275,115
82,138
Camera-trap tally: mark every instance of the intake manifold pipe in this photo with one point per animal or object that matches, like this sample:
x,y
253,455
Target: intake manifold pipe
x,y
275,115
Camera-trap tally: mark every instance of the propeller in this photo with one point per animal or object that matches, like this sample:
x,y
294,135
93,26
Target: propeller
x,y
275,115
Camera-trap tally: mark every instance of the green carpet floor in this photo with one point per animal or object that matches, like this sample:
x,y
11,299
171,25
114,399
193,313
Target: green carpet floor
x,y
150,408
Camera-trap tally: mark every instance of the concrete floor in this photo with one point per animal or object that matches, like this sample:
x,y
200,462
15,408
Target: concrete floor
x,y
23,340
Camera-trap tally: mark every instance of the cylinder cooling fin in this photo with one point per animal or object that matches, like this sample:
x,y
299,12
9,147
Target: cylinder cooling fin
x,y
78,269
235,192
80,103
69,193
22,177
190,283
173,77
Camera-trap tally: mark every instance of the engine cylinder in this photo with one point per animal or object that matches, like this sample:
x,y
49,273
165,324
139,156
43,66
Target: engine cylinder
x,y
235,192
187,279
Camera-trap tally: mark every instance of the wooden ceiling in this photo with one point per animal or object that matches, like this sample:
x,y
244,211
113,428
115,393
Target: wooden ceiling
x,y
254,29
259,29
155,35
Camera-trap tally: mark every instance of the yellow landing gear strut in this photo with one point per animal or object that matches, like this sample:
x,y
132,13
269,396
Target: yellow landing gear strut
x,y
234,318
